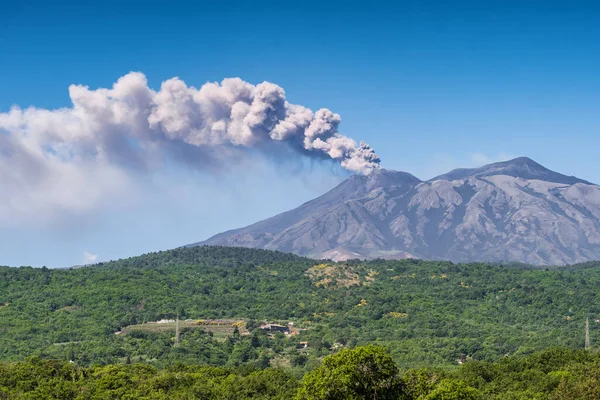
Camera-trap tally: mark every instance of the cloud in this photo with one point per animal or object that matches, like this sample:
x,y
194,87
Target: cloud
x,y
89,258
77,158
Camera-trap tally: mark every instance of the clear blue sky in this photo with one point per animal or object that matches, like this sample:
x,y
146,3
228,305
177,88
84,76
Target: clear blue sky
x,y
431,85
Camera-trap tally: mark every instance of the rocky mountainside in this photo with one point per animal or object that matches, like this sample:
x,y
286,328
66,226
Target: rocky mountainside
x,y
516,211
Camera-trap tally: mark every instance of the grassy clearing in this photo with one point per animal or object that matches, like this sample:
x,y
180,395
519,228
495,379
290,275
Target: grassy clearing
x,y
220,328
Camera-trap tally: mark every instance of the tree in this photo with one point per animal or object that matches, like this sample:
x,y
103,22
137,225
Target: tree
x,y
263,361
366,372
242,352
420,382
236,333
454,390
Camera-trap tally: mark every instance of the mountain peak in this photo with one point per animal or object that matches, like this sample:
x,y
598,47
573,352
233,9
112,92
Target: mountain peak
x,y
378,178
520,167
387,177
521,161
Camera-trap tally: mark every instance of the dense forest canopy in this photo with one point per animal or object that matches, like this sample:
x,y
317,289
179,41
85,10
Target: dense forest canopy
x,y
361,373
427,313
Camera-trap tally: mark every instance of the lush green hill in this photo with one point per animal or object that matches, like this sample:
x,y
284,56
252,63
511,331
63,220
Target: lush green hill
x,y
426,313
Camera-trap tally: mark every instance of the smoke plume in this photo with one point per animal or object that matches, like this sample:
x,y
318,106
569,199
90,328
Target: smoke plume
x,y
72,158
122,123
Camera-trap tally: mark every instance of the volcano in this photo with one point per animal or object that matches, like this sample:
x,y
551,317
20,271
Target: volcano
x,y
513,211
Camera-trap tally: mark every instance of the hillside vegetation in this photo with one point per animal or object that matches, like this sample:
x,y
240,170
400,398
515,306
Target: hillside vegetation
x,y
427,313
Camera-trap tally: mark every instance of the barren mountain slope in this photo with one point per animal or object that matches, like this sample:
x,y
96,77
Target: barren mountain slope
x,y
511,211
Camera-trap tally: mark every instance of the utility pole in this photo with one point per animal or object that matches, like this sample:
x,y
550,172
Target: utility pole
x,y
587,334
177,330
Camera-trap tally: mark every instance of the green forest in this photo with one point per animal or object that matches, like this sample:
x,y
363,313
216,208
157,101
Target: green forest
x,y
360,373
434,319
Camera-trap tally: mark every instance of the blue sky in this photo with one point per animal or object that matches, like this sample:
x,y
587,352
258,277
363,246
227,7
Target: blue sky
x,y
429,85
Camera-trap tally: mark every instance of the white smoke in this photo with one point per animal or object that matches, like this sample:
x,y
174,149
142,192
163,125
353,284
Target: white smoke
x,y
109,131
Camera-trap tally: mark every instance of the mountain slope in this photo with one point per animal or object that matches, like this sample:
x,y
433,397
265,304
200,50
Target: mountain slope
x,y
266,233
510,211
480,310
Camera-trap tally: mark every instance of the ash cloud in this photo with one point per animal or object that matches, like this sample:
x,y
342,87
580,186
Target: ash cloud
x,y
73,157
111,123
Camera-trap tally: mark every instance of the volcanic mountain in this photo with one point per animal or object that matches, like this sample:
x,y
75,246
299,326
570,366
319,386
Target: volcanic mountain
x,y
513,211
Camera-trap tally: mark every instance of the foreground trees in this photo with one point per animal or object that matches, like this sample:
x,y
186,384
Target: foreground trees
x,y
361,373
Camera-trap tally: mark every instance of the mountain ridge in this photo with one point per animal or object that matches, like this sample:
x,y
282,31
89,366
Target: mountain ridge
x,y
512,211
520,167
